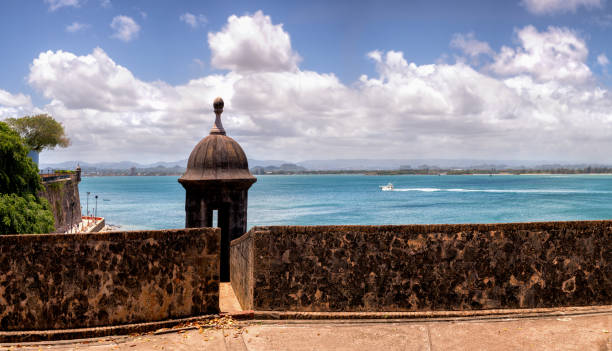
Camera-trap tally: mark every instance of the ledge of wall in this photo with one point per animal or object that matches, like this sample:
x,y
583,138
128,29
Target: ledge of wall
x,y
61,281
423,267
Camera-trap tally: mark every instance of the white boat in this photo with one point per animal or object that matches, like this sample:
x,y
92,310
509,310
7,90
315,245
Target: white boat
x,y
387,187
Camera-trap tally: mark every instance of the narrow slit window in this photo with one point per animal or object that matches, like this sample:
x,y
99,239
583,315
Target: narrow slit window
x,y
215,218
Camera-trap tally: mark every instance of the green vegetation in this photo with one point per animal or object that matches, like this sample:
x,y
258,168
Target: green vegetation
x,y
18,174
55,186
21,211
24,214
40,132
63,171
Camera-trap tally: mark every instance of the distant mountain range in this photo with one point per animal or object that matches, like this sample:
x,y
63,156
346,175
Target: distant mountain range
x,y
129,164
111,165
339,164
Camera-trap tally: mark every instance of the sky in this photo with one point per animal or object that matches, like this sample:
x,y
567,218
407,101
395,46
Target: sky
x,y
135,80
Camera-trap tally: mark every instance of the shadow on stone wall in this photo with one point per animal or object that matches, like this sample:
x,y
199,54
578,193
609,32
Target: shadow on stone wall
x,y
423,267
61,281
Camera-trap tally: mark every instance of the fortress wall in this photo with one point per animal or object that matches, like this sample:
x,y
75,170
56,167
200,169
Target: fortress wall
x,y
63,196
241,268
424,267
59,281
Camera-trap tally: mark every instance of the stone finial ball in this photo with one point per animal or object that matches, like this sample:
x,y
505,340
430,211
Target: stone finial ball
x,y
218,103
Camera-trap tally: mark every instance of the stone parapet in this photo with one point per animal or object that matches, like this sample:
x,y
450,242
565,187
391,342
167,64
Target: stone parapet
x,y
62,281
423,267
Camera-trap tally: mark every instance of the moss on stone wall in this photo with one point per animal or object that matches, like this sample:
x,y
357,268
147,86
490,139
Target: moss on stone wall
x,y
55,186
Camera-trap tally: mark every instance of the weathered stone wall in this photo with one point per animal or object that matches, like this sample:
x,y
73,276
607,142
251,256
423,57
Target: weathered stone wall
x,y
241,274
424,267
59,281
63,196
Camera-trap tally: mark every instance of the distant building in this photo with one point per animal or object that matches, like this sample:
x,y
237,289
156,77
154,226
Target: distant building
x,y
34,156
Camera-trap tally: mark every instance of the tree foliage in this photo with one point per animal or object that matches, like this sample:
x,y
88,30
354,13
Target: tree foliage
x,y
18,174
25,214
21,211
40,132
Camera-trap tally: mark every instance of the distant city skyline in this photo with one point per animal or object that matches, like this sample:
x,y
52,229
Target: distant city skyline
x,y
135,80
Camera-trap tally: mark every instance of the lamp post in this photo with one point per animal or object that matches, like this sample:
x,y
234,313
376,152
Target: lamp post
x,y
96,210
88,208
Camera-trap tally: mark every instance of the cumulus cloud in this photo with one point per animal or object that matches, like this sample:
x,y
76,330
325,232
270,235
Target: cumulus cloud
x,y
252,43
547,7
10,100
56,4
602,60
126,29
102,84
75,27
404,110
470,45
15,105
554,54
194,21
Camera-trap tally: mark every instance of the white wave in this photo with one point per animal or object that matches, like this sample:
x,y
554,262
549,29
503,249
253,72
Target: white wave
x,y
519,191
418,189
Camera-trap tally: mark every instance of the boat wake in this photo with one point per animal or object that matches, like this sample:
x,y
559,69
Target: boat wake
x,y
518,191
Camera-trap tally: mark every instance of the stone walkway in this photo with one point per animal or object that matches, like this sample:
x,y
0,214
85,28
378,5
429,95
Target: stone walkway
x,y
572,332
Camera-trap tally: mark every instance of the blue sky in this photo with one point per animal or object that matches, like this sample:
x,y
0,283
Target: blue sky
x,y
524,79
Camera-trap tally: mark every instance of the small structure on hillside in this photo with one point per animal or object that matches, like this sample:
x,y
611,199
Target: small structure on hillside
x,y
218,179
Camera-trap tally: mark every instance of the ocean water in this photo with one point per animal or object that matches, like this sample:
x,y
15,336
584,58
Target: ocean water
x,y
158,202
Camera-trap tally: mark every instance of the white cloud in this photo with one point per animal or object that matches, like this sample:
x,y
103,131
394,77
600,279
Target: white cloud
x,y
15,105
470,45
102,84
76,26
602,60
126,29
252,43
405,110
10,100
194,21
106,4
544,7
56,4
554,54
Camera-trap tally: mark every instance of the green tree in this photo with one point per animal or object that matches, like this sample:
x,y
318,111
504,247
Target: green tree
x,y
21,211
40,132
25,215
18,174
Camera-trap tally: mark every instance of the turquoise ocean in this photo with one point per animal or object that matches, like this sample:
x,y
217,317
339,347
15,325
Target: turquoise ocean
x,y
158,202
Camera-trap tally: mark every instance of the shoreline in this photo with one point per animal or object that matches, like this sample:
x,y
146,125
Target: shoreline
x,y
378,173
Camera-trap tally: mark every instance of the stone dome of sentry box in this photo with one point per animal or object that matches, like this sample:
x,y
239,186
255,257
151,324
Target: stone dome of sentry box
x,y
217,157
218,179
